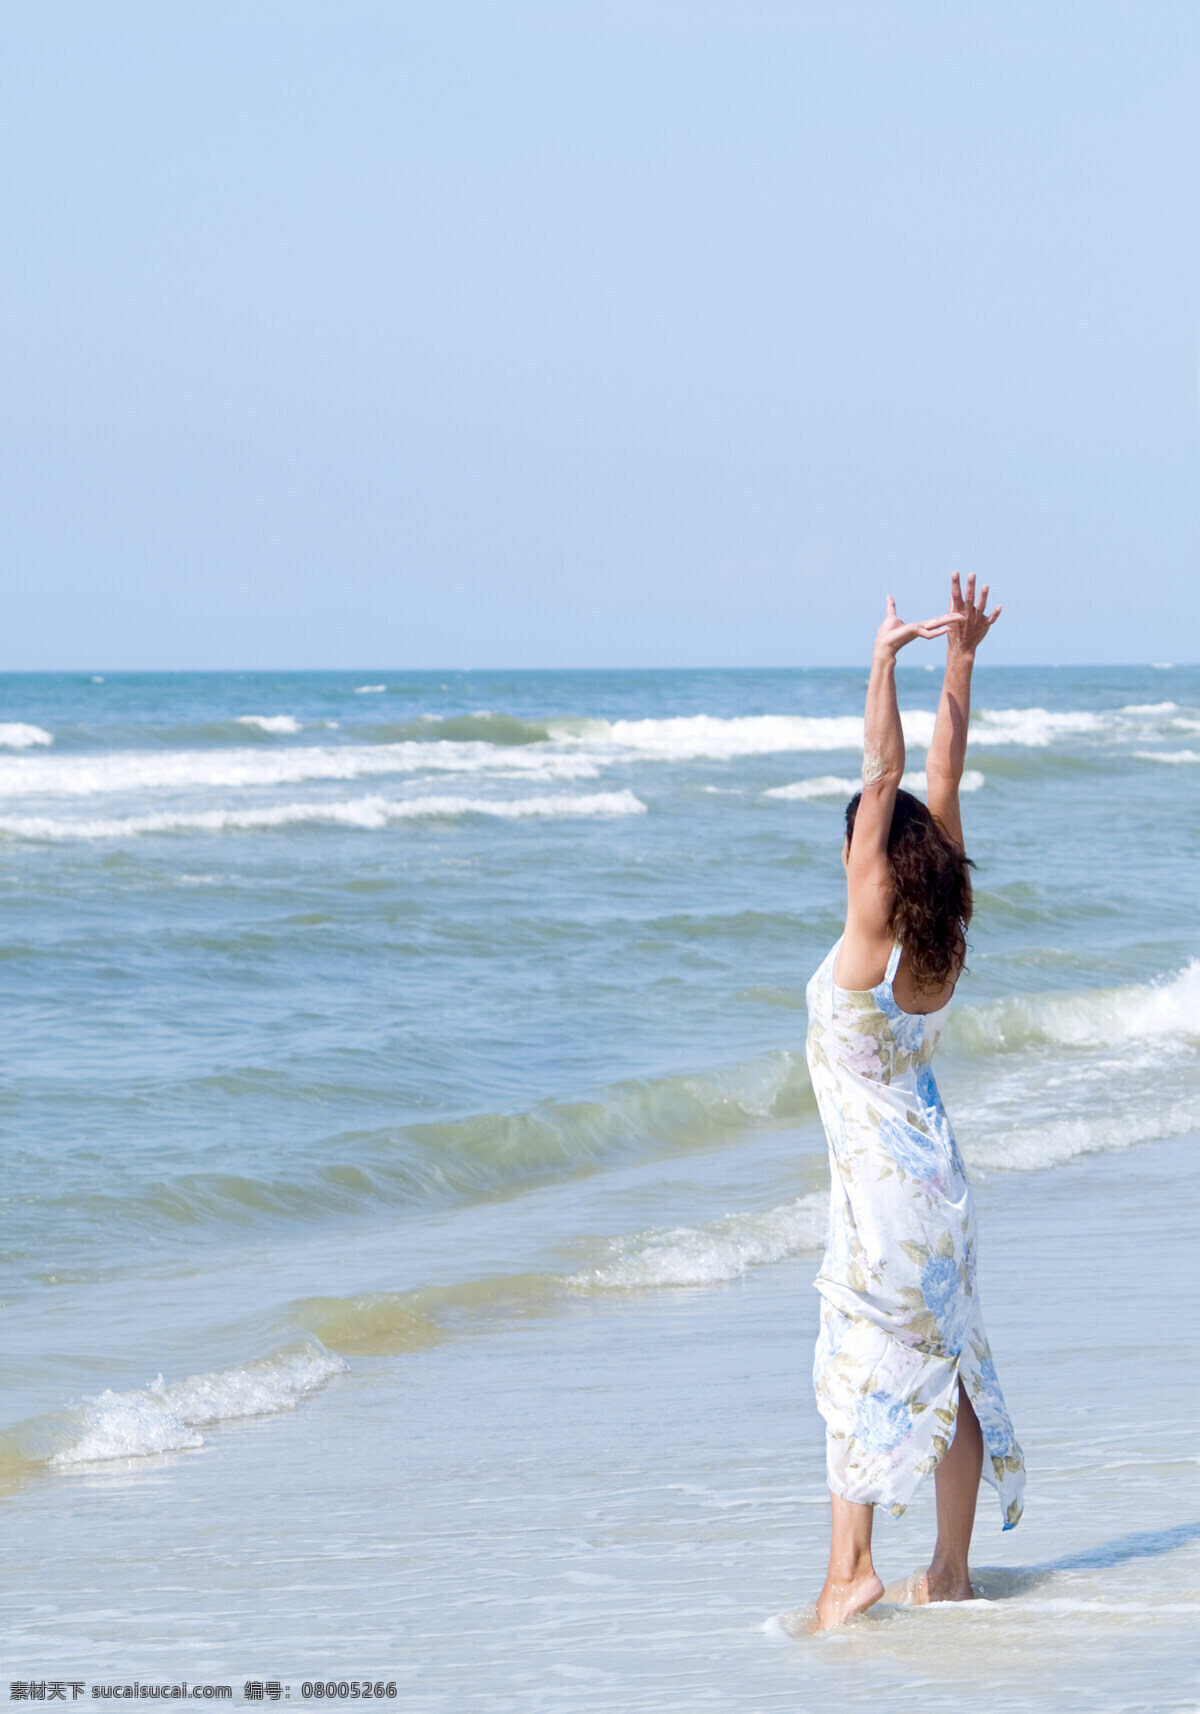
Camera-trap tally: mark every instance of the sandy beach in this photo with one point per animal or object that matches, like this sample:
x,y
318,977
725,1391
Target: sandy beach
x,y
609,1504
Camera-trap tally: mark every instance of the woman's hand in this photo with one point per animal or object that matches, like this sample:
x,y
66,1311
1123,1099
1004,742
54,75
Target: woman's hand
x,y
948,749
965,638
895,632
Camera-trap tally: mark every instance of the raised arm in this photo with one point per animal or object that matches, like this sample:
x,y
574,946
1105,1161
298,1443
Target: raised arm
x,y
948,751
865,945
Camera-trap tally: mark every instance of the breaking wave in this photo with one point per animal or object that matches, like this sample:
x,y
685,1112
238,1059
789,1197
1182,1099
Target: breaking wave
x,y
367,813
554,749
1123,1064
703,736
480,1155
1063,1075
833,785
710,1254
16,735
182,770
1089,1017
164,1417
714,1253
280,723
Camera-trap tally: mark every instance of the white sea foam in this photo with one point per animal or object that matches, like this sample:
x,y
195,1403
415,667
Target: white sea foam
x,y
1146,718
164,1418
834,785
125,1425
1171,756
371,689
1080,1073
16,735
1091,1017
1015,1147
282,723
1033,728
710,1254
819,786
575,750
129,771
251,1389
704,736
368,813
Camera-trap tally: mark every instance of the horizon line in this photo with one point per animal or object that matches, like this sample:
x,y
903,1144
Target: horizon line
x,y
103,672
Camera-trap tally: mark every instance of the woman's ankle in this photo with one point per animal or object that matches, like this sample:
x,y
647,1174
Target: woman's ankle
x,y
947,1580
850,1567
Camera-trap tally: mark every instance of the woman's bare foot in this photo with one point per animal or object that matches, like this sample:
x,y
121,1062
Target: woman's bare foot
x,y
922,1587
904,1593
841,1599
851,1585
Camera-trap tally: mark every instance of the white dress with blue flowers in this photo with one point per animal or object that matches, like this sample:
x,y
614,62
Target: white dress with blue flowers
x,y
900,1318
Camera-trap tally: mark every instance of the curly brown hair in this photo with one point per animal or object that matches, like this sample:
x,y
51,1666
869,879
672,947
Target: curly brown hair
x,y
931,896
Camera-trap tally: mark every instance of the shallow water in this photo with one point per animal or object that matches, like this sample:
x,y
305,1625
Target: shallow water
x,y
413,1188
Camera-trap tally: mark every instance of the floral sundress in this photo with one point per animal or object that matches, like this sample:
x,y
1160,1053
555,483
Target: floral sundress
x,y
900,1318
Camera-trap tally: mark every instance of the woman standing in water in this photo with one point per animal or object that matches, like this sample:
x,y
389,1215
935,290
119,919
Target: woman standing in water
x,y
903,1373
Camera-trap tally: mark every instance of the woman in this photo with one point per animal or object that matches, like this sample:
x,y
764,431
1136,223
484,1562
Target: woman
x,y
903,1373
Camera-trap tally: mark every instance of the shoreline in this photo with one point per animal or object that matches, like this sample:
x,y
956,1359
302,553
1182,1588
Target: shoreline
x,y
604,1503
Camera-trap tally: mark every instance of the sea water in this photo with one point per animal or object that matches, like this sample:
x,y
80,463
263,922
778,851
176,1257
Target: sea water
x,y
412,1185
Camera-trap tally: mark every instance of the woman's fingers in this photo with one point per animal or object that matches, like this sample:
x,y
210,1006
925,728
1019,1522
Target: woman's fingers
x,y
964,610
938,627
897,631
971,600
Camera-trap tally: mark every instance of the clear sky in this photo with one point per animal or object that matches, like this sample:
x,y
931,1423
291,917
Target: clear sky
x,y
426,333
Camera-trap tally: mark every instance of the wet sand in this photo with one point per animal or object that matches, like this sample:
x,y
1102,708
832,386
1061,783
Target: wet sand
x,y
605,1503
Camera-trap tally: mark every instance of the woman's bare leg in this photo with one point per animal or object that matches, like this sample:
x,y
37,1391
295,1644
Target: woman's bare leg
x,y
957,1483
850,1583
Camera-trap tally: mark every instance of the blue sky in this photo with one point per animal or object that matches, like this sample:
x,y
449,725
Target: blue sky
x,y
588,334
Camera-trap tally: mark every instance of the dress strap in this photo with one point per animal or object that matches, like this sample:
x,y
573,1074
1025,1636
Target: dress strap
x,y
893,963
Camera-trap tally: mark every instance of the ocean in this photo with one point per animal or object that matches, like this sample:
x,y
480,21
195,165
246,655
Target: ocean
x,y
413,1188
